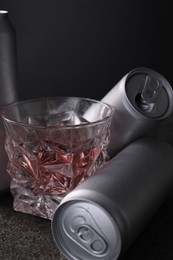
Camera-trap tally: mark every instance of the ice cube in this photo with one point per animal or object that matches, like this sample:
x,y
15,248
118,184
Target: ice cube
x,y
68,118
62,119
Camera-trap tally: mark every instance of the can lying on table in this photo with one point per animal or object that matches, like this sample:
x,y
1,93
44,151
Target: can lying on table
x,y
102,217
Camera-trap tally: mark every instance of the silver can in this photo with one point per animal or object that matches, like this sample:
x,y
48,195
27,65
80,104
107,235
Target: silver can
x,y
8,85
141,99
103,216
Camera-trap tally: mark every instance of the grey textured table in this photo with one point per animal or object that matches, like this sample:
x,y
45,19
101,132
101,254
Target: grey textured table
x,y
25,237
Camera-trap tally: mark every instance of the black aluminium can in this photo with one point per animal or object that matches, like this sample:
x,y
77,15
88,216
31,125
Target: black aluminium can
x,y
142,98
8,84
102,217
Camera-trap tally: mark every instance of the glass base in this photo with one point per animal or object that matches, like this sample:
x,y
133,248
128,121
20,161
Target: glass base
x,y
31,199
42,205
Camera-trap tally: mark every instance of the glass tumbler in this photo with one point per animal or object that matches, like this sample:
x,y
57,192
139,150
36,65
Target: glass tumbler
x,y
53,144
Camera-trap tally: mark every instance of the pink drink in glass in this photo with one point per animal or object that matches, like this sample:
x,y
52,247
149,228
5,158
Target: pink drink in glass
x,y
50,153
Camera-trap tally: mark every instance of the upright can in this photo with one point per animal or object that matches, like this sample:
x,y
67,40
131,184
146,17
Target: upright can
x,y
102,217
8,84
142,98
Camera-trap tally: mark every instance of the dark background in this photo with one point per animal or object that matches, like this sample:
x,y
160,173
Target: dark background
x,y
84,47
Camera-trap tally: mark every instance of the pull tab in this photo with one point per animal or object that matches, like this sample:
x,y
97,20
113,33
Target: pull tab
x,y
146,100
151,90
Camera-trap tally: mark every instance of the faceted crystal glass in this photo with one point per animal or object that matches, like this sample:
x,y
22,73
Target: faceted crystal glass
x,y
53,144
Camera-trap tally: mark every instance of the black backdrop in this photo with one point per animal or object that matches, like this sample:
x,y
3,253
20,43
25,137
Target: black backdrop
x,y
84,47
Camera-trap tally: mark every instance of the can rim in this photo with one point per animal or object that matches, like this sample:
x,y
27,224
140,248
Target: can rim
x,y
59,241
168,88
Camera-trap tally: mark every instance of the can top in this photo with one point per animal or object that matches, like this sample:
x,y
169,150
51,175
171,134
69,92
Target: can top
x,y
84,230
149,93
